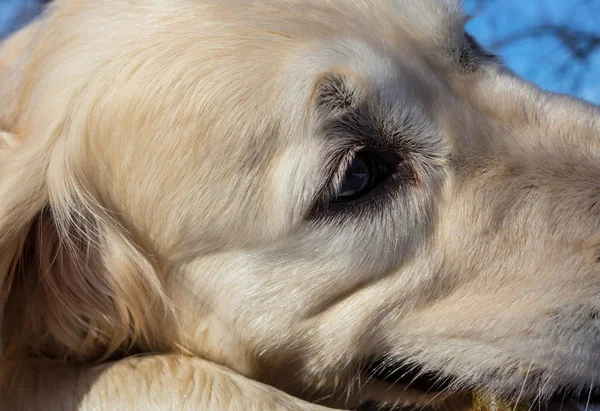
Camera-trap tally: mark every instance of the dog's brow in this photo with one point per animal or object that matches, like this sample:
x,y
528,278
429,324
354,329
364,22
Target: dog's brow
x,y
334,94
367,126
349,118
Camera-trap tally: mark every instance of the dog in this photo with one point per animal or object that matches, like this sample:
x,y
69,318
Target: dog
x,y
289,204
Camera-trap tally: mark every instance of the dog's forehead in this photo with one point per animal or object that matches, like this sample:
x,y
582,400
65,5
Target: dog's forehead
x,y
438,20
434,25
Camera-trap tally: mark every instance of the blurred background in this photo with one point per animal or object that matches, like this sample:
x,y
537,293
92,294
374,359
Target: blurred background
x,y
554,43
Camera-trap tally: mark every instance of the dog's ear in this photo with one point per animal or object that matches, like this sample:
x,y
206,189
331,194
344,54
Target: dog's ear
x,y
73,283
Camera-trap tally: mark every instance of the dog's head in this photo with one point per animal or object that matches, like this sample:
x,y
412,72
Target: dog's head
x,y
318,194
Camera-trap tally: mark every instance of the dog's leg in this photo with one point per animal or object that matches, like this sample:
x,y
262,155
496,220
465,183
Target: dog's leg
x,y
161,382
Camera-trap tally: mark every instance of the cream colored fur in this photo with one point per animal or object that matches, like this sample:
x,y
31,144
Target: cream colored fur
x,y
160,162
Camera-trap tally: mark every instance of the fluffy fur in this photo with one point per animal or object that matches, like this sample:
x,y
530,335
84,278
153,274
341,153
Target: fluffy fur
x,y
166,174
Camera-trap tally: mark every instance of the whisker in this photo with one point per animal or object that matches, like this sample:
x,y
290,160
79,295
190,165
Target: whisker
x,y
432,399
410,370
587,404
538,398
523,385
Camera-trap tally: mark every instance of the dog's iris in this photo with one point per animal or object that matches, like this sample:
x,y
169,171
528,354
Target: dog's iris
x,y
363,174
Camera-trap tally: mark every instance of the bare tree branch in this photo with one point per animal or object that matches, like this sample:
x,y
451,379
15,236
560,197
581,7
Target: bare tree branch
x,y
561,39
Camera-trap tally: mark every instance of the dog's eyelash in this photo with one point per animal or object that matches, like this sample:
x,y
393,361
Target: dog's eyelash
x,y
337,178
336,170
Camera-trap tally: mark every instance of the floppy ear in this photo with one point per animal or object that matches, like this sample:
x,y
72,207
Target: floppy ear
x,y
14,211
73,283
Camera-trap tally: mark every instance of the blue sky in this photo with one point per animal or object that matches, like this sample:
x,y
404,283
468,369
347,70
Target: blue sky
x,y
542,59
13,13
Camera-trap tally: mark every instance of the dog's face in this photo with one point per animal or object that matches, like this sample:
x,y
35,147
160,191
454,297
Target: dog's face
x,y
317,194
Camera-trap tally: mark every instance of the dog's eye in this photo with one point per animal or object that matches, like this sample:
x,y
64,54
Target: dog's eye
x,y
364,174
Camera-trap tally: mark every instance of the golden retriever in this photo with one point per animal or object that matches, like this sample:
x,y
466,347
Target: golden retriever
x,y
289,204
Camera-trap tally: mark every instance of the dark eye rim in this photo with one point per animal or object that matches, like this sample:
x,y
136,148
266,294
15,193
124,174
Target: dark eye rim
x,y
400,176
324,203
